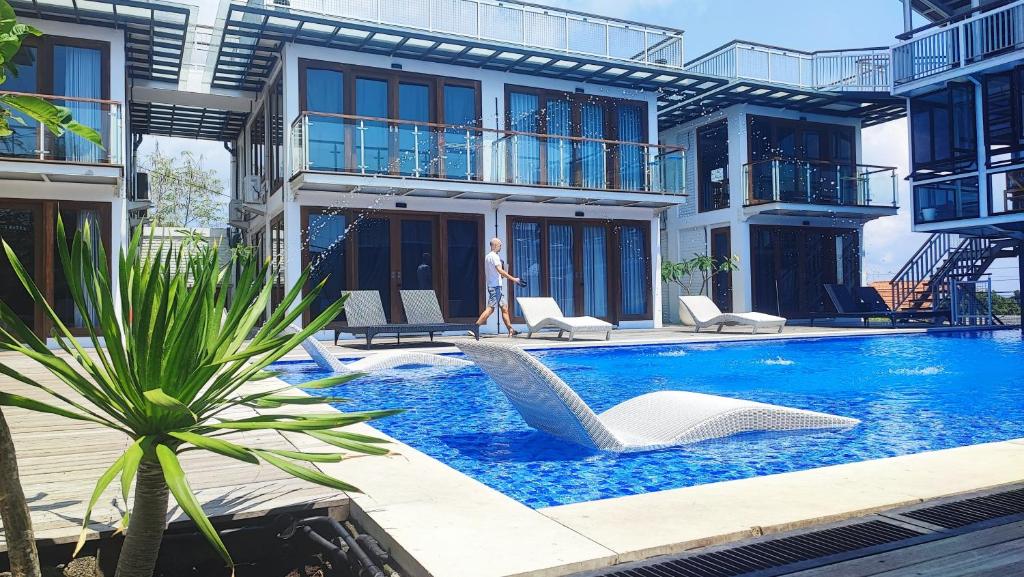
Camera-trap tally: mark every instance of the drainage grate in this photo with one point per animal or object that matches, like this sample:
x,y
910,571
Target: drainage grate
x,y
969,511
771,553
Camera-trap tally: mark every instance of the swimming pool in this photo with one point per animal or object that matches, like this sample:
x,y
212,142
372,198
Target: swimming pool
x,y
913,393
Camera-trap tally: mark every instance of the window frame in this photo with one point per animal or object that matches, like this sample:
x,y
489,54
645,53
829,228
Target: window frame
x,y
701,201
954,165
1016,77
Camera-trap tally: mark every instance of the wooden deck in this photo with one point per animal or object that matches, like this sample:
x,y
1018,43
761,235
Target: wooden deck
x,y
991,552
60,460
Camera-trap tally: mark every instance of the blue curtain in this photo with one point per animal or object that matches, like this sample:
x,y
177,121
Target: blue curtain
x,y
372,147
325,93
560,266
326,257
460,155
526,251
631,158
415,148
632,270
559,150
77,72
592,154
524,151
595,271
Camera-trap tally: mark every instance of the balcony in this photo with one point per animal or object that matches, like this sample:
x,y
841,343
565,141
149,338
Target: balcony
x,y
949,45
429,159
525,26
809,188
864,70
33,153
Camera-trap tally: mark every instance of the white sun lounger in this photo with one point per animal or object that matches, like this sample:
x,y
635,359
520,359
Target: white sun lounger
x,y
652,421
375,362
544,313
699,312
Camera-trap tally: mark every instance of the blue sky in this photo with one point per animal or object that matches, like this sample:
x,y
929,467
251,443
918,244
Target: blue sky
x,y
797,24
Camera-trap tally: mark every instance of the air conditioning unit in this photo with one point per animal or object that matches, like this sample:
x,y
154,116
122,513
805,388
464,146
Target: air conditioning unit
x,y
141,192
237,215
252,189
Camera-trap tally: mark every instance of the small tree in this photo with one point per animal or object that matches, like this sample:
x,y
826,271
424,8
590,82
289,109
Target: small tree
x,y
177,353
184,194
14,512
701,267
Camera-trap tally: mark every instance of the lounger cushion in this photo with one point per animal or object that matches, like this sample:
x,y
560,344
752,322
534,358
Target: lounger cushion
x,y
544,312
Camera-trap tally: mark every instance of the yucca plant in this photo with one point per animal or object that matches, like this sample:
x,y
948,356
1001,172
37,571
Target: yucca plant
x,y
174,360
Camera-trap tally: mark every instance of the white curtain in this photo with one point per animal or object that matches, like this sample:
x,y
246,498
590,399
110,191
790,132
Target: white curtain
x,y
78,73
561,273
524,112
91,218
526,251
633,270
595,271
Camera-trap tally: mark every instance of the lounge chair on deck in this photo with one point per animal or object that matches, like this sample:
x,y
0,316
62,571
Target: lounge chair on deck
x,y
700,312
651,421
544,313
365,313
866,303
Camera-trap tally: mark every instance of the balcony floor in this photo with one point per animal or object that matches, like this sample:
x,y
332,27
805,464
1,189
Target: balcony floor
x,y
864,213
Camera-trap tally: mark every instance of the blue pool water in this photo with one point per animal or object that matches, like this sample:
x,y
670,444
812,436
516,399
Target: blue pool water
x,y
913,393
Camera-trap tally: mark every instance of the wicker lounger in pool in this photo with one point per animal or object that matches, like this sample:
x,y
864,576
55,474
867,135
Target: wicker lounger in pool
x,y
544,313
652,421
699,312
375,362
365,314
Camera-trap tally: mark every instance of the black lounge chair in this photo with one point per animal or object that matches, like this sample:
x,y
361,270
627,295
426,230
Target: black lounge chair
x,y
365,314
866,303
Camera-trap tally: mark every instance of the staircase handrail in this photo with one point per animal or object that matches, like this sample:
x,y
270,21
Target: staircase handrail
x,y
905,282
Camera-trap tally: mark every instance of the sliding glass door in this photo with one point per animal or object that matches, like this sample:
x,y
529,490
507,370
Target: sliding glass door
x,y
20,228
572,261
389,252
77,72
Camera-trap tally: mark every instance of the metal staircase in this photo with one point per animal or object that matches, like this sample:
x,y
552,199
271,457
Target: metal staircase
x,y
924,281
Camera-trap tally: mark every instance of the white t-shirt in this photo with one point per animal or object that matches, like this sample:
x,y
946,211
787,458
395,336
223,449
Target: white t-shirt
x,y
491,263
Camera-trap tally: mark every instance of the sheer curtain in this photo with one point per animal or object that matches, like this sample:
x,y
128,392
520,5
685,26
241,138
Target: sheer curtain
x,y
77,72
595,271
631,160
90,218
632,269
592,154
325,93
560,266
524,150
559,117
526,250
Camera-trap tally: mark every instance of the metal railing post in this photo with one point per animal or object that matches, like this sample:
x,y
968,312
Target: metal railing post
x,y
469,155
362,147
416,150
515,159
807,181
776,182
305,142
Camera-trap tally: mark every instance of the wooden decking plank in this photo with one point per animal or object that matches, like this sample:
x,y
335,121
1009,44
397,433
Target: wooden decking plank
x,y
958,551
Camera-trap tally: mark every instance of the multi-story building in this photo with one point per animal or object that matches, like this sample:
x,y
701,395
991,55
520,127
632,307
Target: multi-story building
x,y
776,175
384,143
962,75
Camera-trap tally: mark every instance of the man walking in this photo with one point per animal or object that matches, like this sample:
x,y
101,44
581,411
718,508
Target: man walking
x,y
496,275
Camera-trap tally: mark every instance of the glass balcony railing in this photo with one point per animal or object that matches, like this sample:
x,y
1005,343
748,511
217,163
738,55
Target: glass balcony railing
x,y
862,70
348,144
820,183
30,140
954,44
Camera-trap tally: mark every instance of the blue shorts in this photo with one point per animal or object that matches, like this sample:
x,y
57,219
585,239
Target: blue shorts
x,y
494,297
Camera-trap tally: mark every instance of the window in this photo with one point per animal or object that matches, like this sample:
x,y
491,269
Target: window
x,y
275,137
1006,190
70,67
713,166
27,226
325,253
277,260
1004,117
413,147
550,152
799,161
949,200
599,268
258,144
943,131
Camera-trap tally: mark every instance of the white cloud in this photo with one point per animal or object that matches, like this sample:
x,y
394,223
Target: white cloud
x,y
889,242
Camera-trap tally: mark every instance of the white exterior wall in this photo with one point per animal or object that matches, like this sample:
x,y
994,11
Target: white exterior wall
x,y
492,95
689,231
71,191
